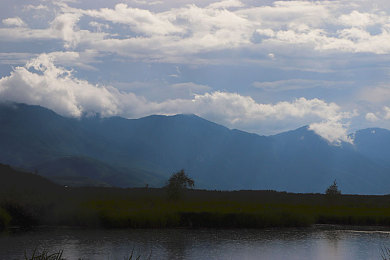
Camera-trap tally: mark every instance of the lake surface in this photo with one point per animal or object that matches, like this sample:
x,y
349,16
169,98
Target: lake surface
x,y
320,242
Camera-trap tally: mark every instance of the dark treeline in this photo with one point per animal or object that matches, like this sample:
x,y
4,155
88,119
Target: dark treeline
x,y
27,199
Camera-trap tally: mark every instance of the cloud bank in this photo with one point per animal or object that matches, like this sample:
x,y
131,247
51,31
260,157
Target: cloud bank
x,y
42,82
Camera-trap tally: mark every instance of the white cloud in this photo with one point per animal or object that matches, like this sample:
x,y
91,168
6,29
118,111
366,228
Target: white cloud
x,y
36,7
174,34
64,27
99,26
226,4
40,82
371,117
14,21
271,56
193,29
333,131
22,33
143,2
55,88
140,20
75,59
358,19
387,112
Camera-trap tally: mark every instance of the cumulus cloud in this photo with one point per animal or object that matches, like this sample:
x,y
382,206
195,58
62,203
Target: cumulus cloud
x,y
141,20
36,7
387,112
271,56
41,82
75,59
379,116
226,4
174,33
333,131
228,24
64,27
143,2
358,19
14,21
99,26
371,117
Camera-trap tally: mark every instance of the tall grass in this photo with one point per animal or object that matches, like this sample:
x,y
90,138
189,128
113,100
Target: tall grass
x,y
150,208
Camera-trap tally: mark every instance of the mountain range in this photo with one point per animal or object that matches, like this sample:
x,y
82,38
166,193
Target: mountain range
x,y
120,152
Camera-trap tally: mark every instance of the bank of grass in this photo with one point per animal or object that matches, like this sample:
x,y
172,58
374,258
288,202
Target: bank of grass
x,y
150,208
50,204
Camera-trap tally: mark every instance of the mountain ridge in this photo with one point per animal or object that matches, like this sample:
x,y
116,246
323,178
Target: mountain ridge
x,y
146,151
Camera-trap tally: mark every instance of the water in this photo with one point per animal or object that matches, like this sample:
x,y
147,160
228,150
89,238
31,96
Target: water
x,y
308,243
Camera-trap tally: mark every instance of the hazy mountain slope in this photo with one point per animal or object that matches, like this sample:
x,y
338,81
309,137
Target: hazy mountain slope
x,y
36,138
374,143
216,156
30,133
308,158
122,152
12,180
81,171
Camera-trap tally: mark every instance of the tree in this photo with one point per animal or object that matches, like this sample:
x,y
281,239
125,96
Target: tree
x,y
333,189
177,183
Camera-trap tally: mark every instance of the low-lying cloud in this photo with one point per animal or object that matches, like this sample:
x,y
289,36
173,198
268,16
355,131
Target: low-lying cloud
x,y
42,82
14,21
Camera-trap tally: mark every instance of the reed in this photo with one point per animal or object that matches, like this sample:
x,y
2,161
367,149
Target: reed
x,y
44,255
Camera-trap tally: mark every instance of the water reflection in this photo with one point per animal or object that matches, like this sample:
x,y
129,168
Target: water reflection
x,y
309,243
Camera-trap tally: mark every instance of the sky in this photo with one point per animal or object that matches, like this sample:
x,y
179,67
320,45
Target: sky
x,y
259,66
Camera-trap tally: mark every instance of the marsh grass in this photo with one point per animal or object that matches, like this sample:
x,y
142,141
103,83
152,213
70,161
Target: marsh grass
x,y
150,208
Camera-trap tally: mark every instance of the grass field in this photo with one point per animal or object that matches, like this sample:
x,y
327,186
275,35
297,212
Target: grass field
x,y
151,208
27,200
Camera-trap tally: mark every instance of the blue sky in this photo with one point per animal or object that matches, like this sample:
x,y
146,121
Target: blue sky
x,y
259,66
